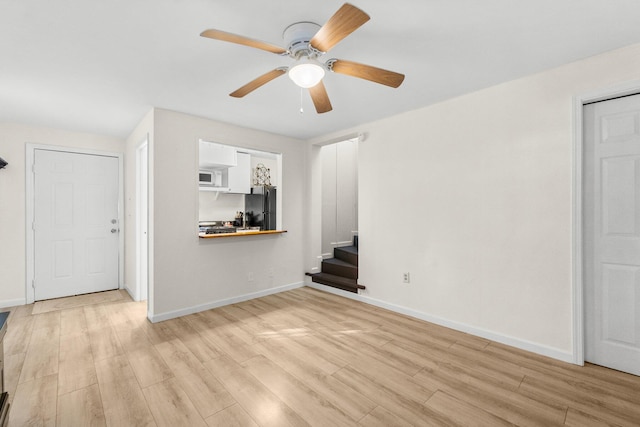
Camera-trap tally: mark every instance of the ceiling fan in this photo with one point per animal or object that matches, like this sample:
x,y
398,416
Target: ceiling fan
x,y
306,42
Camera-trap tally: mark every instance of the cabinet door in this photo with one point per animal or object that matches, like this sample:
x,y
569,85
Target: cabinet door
x,y
216,156
240,175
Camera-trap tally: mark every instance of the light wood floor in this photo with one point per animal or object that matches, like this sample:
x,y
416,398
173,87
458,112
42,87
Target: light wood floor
x,y
298,358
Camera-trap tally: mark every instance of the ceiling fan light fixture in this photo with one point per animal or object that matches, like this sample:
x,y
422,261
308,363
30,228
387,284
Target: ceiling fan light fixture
x,y
306,74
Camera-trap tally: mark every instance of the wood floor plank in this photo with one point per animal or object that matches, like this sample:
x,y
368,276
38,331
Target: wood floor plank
x,y
76,369
18,335
601,406
351,403
408,409
392,379
380,417
229,344
81,408
148,366
312,406
358,347
104,343
35,402
122,398
259,402
73,321
502,402
205,391
49,321
507,378
463,413
233,416
96,316
577,418
12,368
158,332
170,405
132,339
192,339
253,328
42,354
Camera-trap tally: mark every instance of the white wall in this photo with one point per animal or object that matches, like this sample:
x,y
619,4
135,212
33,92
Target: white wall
x,y
190,273
472,196
13,138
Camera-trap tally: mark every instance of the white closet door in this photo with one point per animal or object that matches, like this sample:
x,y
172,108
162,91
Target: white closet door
x,y
612,233
76,228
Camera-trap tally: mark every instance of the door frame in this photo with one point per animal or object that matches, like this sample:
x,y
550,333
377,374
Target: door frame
x,y
30,209
142,209
577,187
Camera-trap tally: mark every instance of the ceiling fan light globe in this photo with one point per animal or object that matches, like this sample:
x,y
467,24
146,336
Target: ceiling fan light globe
x,y
306,75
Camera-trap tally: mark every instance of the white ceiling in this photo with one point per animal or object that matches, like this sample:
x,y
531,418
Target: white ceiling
x,y
99,66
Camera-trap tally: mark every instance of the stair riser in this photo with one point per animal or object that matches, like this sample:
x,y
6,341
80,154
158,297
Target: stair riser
x,y
350,272
346,256
335,285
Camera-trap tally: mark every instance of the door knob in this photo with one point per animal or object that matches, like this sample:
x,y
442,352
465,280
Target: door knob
x,y
113,230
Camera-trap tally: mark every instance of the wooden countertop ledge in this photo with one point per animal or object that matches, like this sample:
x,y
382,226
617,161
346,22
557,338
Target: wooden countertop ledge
x,y
245,233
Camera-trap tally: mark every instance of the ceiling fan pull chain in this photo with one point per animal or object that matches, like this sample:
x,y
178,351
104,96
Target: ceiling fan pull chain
x,y
301,109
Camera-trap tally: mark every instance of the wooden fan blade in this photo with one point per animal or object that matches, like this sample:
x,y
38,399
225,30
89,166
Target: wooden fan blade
x,y
234,38
320,98
344,22
256,83
367,72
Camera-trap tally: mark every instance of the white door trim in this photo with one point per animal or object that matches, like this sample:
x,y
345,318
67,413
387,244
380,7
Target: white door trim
x,y
577,284
30,205
142,207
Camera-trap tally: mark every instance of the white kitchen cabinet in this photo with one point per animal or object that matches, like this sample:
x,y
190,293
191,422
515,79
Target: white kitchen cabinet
x,y
216,156
239,177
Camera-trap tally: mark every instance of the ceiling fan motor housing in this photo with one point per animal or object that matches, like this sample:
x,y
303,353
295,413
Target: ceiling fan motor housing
x,y
297,37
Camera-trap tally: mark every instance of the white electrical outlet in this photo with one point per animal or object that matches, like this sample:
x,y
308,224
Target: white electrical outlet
x,y
406,278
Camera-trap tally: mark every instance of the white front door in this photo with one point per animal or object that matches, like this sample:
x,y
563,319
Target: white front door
x,y
612,233
76,223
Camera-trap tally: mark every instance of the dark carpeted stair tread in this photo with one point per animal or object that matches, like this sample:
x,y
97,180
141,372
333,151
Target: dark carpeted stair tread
x,y
336,282
347,253
339,267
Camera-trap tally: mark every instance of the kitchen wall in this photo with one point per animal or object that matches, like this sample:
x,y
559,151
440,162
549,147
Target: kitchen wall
x,y
192,274
222,207
13,139
473,197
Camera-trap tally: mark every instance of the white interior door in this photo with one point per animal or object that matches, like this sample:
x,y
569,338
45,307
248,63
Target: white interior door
x,y
75,223
612,233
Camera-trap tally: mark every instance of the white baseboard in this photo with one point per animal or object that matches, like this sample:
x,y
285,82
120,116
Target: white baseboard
x,y
12,302
543,350
132,292
215,304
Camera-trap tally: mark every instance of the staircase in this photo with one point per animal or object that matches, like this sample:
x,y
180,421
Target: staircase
x,y
341,271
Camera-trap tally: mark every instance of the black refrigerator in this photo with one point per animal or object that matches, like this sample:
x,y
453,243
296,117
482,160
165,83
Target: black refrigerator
x,y
260,208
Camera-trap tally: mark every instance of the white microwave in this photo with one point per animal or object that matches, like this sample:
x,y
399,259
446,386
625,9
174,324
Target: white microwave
x,y
211,178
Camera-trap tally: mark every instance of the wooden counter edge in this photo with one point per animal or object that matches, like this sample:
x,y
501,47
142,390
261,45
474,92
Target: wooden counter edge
x,y
246,233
